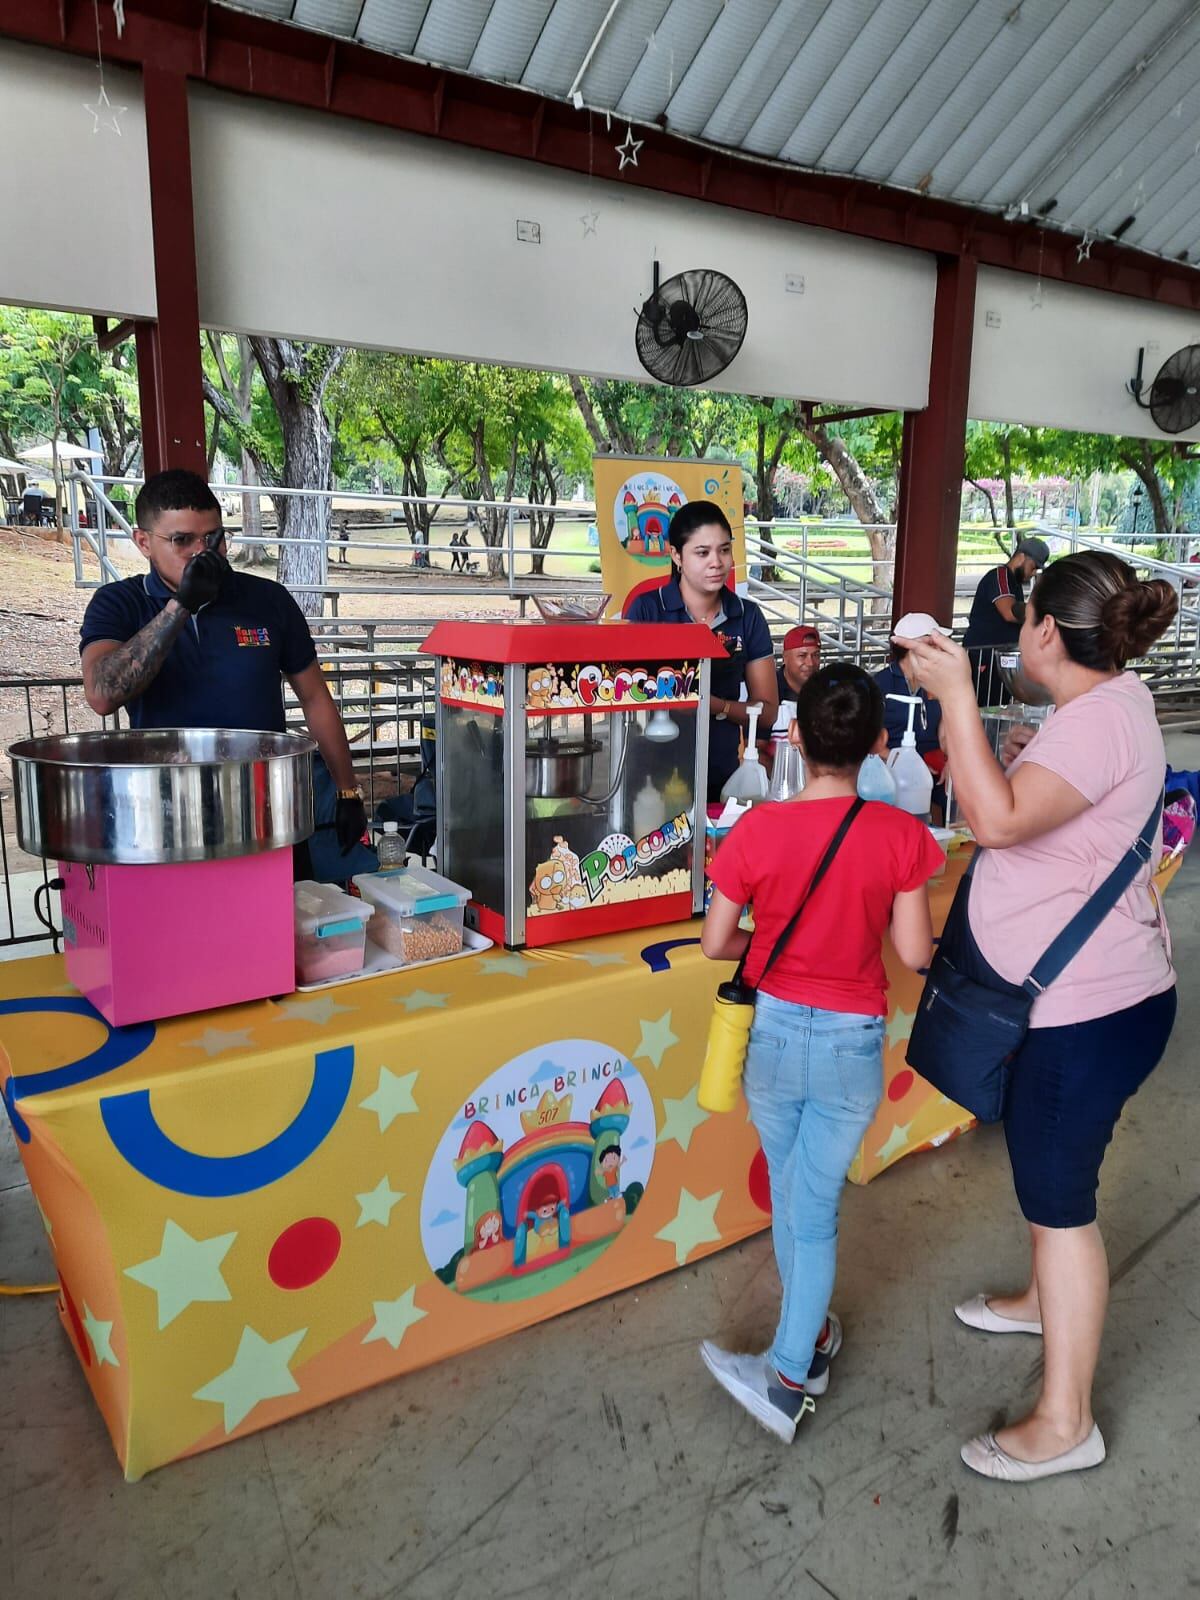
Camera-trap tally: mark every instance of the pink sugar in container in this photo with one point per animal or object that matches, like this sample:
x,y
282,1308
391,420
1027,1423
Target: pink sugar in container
x,y
175,860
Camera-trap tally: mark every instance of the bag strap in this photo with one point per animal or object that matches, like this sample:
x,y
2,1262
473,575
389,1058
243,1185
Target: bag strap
x,y
1089,917
831,850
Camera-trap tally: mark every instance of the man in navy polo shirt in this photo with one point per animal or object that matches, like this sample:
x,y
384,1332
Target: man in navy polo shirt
x,y
194,644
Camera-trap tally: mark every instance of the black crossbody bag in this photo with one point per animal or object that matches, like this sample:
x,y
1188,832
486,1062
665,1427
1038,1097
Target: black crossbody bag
x,y
966,1032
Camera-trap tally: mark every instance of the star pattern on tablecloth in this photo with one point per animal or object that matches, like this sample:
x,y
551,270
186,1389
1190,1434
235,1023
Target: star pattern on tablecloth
x,y
514,965
900,1025
260,1371
895,1142
656,1039
321,1010
694,1224
214,1040
99,1337
376,1205
682,1117
601,958
184,1271
393,1318
422,1000
392,1097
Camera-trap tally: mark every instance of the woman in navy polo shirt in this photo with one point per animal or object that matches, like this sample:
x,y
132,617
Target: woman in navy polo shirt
x,y
702,557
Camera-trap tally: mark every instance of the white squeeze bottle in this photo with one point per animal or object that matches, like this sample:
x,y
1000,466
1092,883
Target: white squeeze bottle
x,y
914,781
748,781
648,810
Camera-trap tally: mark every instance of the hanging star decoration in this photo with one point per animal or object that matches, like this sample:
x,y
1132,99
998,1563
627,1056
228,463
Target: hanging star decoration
x,y
104,114
1083,250
628,150
589,219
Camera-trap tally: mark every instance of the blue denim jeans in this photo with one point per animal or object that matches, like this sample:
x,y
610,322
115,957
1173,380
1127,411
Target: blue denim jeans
x,y
813,1080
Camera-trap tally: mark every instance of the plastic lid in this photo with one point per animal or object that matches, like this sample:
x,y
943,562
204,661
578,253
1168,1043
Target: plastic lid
x,y
319,903
415,889
391,827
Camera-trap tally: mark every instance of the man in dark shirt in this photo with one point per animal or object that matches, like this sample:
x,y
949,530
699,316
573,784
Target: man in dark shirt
x,y
801,658
996,614
194,644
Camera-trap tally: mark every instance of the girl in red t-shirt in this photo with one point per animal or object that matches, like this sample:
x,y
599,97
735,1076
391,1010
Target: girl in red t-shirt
x,y
814,1067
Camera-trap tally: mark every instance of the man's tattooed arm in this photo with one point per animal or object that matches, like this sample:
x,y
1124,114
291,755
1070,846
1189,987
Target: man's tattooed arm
x,y
113,676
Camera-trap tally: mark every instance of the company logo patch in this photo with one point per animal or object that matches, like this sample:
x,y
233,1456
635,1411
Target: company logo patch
x,y
249,637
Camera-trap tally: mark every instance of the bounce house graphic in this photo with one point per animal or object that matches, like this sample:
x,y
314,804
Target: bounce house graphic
x,y
555,1194
642,515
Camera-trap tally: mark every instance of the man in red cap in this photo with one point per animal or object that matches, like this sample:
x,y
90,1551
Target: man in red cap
x,y
801,658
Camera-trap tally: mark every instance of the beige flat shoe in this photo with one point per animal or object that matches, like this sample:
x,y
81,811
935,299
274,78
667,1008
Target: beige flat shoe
x,y
984,1455
976,1313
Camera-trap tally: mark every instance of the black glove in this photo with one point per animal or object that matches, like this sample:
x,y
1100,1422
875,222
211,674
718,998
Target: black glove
x,y
349,822
201,581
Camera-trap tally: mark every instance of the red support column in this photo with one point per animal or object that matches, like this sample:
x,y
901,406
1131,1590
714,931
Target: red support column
x,y
172,396
931,465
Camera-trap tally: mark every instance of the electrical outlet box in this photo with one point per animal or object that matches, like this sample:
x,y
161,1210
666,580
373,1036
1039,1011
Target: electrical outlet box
x,y
991,319
529,232
793,282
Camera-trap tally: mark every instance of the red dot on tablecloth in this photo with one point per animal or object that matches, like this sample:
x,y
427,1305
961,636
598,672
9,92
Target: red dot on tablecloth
x,y
900,1085
304,1252
760,1183
82,1343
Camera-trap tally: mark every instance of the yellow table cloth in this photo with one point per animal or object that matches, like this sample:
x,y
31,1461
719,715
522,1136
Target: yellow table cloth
x,y
257,1209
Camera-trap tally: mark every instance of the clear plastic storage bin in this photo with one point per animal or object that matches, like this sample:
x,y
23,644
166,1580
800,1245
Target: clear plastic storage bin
x,y
418,914
331,932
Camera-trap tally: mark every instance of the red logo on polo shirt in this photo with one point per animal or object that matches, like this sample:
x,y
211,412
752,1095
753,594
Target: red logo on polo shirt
x,y
251,636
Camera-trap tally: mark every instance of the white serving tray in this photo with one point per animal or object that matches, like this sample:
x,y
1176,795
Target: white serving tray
x,y
380,962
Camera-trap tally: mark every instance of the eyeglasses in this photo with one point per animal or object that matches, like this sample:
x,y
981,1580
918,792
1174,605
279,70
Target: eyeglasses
x,y
185,543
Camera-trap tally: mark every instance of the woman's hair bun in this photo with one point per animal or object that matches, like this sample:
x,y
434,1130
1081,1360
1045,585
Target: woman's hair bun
x,y
1133,618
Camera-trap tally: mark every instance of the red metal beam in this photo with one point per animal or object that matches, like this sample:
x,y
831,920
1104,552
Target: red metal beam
x,y
257,56
931,466
109,338
178,393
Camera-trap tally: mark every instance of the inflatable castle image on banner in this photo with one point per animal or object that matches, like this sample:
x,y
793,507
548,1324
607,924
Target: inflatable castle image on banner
x,y
556,1188
646,524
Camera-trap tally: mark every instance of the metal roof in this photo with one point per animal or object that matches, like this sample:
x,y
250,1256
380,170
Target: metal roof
x,y
1086,112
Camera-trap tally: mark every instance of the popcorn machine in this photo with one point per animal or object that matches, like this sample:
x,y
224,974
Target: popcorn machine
x,y
572,771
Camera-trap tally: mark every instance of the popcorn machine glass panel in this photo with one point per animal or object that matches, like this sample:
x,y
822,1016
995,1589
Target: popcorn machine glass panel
x,y
572,771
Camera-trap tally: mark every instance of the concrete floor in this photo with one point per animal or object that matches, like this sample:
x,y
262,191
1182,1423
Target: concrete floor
x,y
592,1457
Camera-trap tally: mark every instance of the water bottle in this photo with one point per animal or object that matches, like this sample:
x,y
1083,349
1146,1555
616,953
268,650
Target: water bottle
x,y
875,782
391,851
728,1041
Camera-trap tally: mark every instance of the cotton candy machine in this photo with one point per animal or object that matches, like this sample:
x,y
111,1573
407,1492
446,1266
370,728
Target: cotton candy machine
x,y
1018,682
175,861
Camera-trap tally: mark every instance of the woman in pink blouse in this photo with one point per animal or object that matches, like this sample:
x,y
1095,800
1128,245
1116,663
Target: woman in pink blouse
x,y
1053,825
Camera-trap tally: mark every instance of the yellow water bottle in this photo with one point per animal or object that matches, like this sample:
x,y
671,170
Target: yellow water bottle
x,y
728,1040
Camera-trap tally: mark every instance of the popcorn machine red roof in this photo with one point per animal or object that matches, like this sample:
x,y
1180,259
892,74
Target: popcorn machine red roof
x,y
570,759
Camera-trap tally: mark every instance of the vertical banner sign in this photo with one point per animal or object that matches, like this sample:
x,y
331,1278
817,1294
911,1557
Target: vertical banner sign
x,y
637,496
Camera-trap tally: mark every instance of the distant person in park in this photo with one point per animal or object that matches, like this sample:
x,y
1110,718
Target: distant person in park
x,y
194,644
996,613
701,544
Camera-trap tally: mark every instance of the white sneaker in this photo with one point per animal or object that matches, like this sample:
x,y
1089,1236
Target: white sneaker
x,y
754,1384
976,1313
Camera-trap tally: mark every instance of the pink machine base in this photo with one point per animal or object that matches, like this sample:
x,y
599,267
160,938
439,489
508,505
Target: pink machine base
x,y
150,942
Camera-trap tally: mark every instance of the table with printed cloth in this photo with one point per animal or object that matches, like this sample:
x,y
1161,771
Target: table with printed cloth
x,y
255,1210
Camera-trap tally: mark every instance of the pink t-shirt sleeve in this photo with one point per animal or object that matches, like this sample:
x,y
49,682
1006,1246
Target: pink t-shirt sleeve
x,y
1091,746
